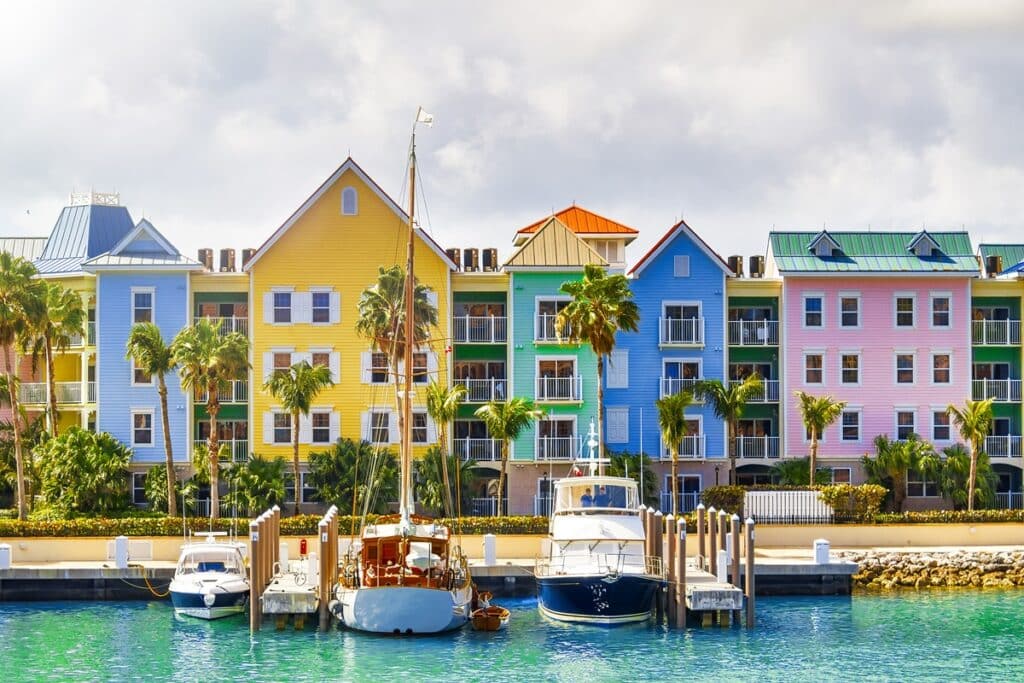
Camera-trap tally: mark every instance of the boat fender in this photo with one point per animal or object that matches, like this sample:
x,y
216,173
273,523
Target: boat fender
x,y
334,607
209,599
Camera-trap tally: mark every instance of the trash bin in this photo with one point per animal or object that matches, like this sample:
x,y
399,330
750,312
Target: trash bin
x,y
121,552
490,550
821,550
5,556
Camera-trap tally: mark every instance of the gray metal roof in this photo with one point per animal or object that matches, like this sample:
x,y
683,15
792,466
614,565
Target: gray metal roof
x,y
28,248
140,261
83,232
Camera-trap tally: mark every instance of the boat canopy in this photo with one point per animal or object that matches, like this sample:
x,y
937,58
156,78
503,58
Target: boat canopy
x,y
606,495
210,558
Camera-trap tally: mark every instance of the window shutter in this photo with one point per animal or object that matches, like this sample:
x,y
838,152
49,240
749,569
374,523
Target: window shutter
x,y
681,266
335,307
431,431
268,365
618,425
364,367
393,435
617,372
432,298
335,363
298,357
268,307
302,307
364,426
268,428
335,426
432,367
305,428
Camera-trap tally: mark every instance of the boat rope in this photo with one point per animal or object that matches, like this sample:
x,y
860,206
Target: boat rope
x,y
148,586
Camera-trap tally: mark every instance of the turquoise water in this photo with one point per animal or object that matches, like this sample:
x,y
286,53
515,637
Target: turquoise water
x,y
945,636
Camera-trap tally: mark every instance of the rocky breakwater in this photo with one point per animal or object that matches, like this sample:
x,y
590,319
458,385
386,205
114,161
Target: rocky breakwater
x,y
955,569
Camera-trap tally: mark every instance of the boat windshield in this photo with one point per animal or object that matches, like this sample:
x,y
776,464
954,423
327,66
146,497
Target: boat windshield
x,y
591,496
210,560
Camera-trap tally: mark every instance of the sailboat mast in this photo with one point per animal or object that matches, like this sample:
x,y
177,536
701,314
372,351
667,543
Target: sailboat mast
x,y
406,442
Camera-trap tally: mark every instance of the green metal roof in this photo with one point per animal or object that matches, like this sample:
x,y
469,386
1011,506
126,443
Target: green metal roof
x,y
1012,254
872,252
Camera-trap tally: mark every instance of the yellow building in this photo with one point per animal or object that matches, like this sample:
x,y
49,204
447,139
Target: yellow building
x,y
304,289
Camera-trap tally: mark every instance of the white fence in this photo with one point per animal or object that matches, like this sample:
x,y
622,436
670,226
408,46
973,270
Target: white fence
x,y
787,507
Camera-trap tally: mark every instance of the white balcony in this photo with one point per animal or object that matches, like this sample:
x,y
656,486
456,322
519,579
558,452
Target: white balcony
x,y
753,332
557,447
691,447
228,325
995,332
1010,500
480,329
544,329
237,449
35,393
555,389
484,390
1003,446
999,390
769,391
681,331
756,446
480,450
238,392
675,385
687,501
542,505
484,507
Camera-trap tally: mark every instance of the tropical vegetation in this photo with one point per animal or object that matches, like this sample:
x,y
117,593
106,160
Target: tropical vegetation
x,y
892,462
442,407
432,485
505,421
636,466
354,475
672,424
797,471
728,401
974,421
818,412
257,484
84,473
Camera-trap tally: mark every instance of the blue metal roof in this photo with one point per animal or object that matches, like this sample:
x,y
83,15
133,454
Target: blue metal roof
x,y
82,232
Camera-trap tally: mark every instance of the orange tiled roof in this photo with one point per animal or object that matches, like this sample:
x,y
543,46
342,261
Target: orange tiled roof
x,y
581,221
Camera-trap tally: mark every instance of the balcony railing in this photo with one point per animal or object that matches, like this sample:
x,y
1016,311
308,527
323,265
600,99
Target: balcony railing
x,y
238,392
90,331
681,331
228,325
756,446
557,447
560,388
769,391
674,385
995,332
484,507
478,449
480,329
238,449
67,392
687,501
692,446
999,390
754,332
1003,446
484,390
1010,500
542,506
544,329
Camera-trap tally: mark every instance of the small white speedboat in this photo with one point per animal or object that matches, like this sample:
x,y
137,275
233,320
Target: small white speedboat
x,y
210,581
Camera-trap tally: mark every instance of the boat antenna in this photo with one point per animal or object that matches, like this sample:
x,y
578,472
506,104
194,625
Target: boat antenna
x,y
184,532
591,445
642,468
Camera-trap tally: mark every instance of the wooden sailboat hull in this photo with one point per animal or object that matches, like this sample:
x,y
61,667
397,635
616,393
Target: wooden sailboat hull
x,y
404,610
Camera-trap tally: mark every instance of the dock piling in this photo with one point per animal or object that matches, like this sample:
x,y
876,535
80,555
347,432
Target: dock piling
x,y
701,513
670,568
680,571
723,528
658,528
749,578
254,603
324,561
712,540
734,573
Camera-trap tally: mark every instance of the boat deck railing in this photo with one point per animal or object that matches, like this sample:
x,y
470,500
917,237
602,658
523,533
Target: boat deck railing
x,y
610,563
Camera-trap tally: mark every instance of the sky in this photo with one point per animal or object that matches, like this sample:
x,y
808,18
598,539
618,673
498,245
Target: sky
x,y
215,120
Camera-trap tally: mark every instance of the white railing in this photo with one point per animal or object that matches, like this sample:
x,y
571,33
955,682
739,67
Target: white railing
x,y
75,340
680,331
995,332
32,392
557,447
999,390
692,446
483,390
769,391
542,505
756,446
1003,446
674,385
237,392
227,325
687,501
1010,500
67,392
560,388
238,449
484,507
480,329
478,449
544,329
754,332
91,388
90,330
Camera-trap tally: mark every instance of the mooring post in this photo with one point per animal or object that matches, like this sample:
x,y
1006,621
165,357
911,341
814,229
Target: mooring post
x,y
659,527
669,567
723,527
713,539
276,550
324,559
749,579
700,536
735,573
647,531
266,534
254,572
680,605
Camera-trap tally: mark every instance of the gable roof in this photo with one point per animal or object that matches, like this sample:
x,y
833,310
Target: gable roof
x,y
28,248
1012,255
920,237
121,257
554,246
822,236
81,233
581,222
666,239
142,230
348,165
872,252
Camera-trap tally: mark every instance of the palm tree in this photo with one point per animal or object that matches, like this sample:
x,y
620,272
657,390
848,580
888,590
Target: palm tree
x,y
818,413
602,305
59,317
296,389
350,473
146,348
892,461
672,423
19,297
728,401
973,421
955,471
505,421
442,407
209,362
432,481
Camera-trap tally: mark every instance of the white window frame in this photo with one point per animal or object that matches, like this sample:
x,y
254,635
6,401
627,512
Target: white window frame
x,y
313,427
896,296
803,310
426,427
932,298
848,470
152,426
274,413
387,368
560,358
918,478
274,307
699,419
860,425
313,291
949,425
896,367
152,302
839,310
941,352
150,383
139,484
850,352
896,420
350,191
807,354
370,427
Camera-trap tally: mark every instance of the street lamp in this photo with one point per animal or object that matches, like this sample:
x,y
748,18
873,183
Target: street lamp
x,y
716,475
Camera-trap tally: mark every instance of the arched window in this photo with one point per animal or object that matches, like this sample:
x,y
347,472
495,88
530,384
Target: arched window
x,y
349,202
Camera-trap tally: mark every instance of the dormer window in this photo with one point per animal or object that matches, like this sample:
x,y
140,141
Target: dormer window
x,y
823,245
923,244
349,202
610,250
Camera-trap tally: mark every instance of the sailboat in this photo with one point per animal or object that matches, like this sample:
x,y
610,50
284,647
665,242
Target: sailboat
x,y
405,575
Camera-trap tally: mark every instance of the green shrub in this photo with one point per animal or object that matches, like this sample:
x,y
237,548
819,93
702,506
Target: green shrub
x,y
853,503
728,498
82,472
950,517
